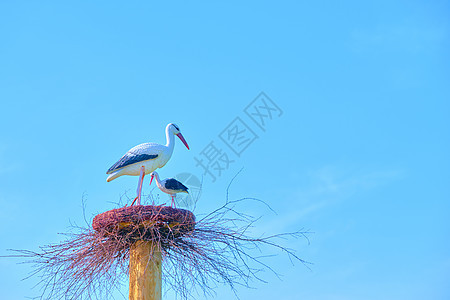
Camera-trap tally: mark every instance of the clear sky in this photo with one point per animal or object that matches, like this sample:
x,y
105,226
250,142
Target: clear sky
x,y
356,149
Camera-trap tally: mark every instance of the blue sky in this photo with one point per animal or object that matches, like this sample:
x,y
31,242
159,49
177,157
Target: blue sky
x,y
359,155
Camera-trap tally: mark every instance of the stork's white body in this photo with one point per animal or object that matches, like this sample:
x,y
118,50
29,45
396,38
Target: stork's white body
x,y
164,153
161,186
146,158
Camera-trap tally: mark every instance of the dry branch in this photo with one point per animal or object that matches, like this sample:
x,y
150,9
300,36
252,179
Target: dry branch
x,y
217,249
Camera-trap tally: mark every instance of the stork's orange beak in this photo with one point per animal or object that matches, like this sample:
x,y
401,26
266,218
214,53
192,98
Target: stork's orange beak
x,y
182,139
151,179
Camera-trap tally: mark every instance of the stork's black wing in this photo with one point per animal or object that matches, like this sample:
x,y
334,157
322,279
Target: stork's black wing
x,y
129,160
175,185
136,154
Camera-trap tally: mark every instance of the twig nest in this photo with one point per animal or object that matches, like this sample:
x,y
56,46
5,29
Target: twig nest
x,y
144,222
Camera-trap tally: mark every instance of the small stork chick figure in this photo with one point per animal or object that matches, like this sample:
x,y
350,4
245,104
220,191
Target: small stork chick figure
x,y
169,186
146,158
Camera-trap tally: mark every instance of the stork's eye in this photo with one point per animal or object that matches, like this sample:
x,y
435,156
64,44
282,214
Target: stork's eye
x,y
176,127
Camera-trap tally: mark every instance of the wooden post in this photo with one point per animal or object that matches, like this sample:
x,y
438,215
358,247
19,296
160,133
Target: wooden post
x,y
145,257
145,271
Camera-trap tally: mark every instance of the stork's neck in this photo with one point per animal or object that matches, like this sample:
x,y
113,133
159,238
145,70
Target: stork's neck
x,y
158,182
170,140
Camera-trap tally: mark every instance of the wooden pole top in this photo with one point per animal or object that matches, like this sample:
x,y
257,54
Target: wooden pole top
x,y
145,271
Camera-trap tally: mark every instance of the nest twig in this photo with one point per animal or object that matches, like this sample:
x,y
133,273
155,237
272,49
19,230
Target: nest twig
x,y
91,264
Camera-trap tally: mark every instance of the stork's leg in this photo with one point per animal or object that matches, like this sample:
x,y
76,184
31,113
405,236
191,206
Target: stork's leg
x,y
141,181
173,201
139,189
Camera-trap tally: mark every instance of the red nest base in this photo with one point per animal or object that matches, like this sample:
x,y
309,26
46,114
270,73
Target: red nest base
x,y
144,221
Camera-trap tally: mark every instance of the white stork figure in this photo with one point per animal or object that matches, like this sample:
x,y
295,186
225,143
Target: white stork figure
x,y
146,158
169,186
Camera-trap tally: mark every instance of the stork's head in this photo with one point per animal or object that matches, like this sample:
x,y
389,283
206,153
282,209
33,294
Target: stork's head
x,y
152,174
174,129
